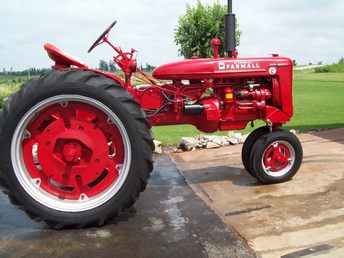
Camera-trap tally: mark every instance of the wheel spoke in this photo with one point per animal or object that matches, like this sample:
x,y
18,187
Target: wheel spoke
x,y
84,115
67,114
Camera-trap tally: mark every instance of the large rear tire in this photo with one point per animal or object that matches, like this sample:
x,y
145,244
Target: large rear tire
x,y
76,149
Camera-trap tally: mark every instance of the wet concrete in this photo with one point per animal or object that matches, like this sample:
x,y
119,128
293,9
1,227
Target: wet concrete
x,y
300,218
169,220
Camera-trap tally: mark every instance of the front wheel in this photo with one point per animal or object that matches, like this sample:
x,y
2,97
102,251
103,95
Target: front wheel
x,y
247,147
75,149
276,157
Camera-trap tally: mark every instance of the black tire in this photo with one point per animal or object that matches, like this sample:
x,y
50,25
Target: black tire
x,y
247,147
120,102
263,143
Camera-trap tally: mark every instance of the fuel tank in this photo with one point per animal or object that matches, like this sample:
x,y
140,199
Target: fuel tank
x,y
209,68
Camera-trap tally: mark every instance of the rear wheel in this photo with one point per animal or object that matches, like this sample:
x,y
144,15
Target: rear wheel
x,y
276,157
76,149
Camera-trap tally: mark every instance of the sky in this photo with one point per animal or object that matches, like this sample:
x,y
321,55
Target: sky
x,y
304,30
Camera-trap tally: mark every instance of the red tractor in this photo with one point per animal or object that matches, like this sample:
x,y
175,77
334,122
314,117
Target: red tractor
x,y
76,146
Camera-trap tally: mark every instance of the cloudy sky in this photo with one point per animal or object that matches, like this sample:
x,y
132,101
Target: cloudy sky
x,y
306,30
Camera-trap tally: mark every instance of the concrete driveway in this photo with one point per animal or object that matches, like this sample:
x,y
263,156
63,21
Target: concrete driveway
x,y
169,220
301,218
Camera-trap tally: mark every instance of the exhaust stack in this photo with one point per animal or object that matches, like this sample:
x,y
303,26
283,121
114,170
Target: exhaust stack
x,y
230,25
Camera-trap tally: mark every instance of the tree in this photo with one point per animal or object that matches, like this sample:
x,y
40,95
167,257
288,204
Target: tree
x,y
198,26
149,67
112,66
103,65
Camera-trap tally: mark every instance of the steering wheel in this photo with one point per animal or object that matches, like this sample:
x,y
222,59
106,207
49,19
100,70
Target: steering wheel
x,y
98,41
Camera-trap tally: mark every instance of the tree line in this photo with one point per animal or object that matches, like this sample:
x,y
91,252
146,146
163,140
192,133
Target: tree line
x,y
103,65
112,67
27,72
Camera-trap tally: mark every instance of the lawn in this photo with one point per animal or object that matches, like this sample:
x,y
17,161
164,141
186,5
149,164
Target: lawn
x,y
9,84
318,99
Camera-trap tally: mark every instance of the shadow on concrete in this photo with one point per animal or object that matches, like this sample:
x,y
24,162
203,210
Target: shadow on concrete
x,y
334,135
237,176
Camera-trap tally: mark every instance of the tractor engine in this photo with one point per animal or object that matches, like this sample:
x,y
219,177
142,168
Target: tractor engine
x,y
251,98
220,94
209,105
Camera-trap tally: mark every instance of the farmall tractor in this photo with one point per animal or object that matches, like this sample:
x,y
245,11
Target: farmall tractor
x,y
76,146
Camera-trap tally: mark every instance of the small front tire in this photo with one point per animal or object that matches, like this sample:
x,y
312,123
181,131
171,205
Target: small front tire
x,y
276,157
247,147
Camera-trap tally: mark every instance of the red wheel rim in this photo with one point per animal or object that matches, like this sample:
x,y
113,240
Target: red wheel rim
x,y
71,153
278,158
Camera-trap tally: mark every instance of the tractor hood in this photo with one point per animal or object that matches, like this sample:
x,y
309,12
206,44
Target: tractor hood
x,y
192,69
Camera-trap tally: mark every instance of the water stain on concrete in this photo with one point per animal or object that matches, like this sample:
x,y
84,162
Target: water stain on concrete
x,y
169,220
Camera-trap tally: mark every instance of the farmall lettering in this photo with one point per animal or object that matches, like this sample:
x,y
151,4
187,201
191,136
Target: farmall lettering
x,y
238,66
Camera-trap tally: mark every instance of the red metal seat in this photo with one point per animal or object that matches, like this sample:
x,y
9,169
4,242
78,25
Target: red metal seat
x,y
61,59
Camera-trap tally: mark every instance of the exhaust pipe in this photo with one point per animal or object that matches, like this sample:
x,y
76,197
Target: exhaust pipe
x,y
230,25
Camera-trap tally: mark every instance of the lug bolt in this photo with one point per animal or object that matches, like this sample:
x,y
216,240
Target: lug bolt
x,y
64,104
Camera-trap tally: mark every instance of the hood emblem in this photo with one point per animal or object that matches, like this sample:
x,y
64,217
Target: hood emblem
x,y
234,66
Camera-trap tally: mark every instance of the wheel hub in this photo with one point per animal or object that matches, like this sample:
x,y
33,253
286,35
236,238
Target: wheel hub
x,y
72,152
277,157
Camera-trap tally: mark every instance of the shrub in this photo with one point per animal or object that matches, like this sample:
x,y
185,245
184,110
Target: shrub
x,y
323,69
198,26
6,91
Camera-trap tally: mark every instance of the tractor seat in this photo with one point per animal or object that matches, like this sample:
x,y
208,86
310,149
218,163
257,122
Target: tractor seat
x,y
62,60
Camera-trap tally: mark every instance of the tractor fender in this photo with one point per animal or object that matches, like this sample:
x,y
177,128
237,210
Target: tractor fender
x,y
63,61
109,75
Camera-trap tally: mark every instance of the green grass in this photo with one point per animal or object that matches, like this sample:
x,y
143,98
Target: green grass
x,y
333,68
8,85
301,76
319,101
6,80
318,104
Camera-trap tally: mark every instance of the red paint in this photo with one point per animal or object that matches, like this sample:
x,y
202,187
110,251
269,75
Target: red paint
x,y
75,144
261,87
72,151
62,59
277,157
219,68
216,43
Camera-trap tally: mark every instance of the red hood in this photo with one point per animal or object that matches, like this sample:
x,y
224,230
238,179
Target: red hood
x,y
219,68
